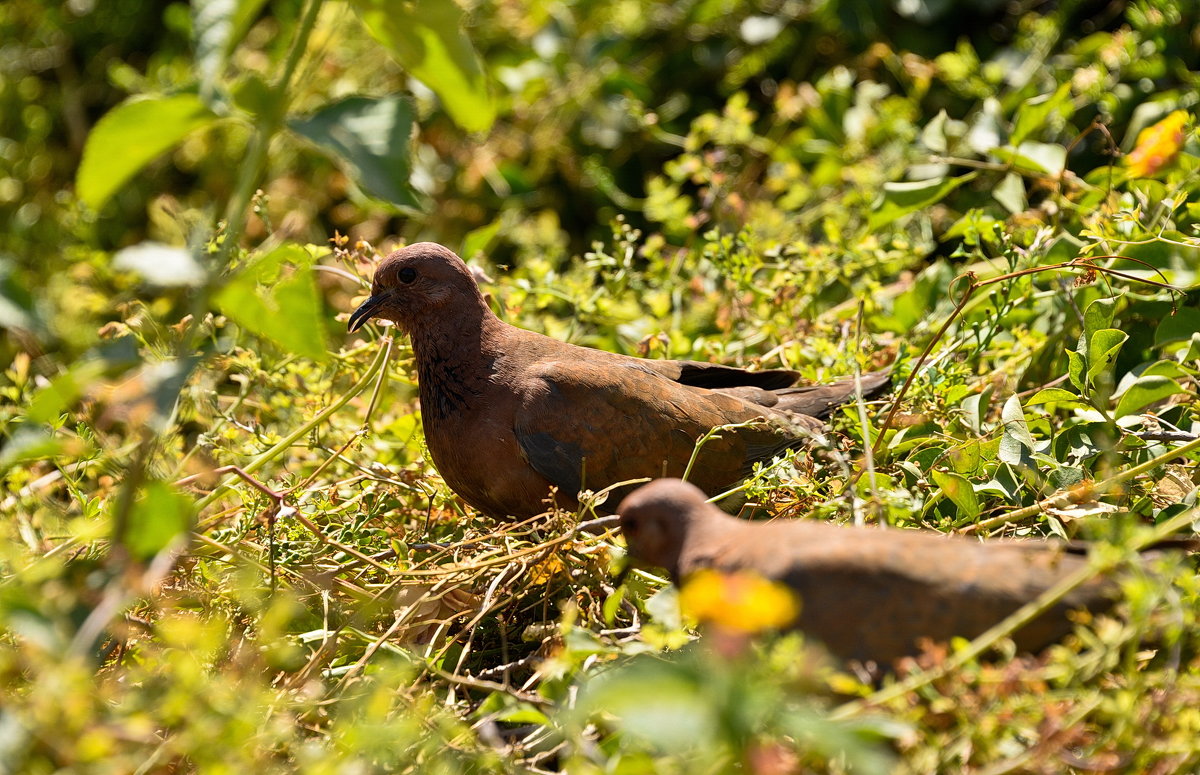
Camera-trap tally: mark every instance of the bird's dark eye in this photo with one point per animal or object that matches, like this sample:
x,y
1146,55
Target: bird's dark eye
x,y
407,275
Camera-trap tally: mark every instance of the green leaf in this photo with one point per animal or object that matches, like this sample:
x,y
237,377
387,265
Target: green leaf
x,y
160,518
958,490
479,240
276,297
371,137
1098,315
1048,158
1011,193
1192,352
1033,113
901,198
1178,327
426,38
1145,391
217,27
975,409
1102,349
1056,396
130,136
1016,439
1075,370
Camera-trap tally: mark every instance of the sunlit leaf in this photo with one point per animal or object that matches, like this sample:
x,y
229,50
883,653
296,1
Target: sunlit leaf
x,y
371,137
1017,440
1048,158
130,136
1033,113
276,297
958,490
426,38
901,199
1103,347
1145,391
1098,315
1056,396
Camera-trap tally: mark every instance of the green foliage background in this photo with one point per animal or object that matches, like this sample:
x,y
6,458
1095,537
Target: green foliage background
x,y
193,197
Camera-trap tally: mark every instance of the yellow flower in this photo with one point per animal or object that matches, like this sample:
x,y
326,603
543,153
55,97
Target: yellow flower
x,y
1157,146
741,602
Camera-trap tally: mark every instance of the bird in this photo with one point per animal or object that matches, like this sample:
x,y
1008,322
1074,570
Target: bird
x,y
867,594
510,415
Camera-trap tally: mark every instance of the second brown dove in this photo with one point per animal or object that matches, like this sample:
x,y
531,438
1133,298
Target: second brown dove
x,y
510,414
866,593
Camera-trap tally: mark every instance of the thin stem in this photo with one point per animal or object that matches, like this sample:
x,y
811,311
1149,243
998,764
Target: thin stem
x,y
266,457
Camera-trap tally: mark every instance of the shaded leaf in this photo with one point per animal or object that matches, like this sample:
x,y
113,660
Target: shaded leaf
x,y
426,38
1010,193
371,137
1181,326
130,136
1075,370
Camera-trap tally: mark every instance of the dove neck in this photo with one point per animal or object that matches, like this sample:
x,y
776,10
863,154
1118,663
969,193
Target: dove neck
x,y
455,362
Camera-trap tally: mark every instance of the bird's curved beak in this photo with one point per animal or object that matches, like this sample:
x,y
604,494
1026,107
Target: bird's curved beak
x,y
365,312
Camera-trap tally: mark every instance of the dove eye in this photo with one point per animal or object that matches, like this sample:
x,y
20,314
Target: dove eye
x,y
407,275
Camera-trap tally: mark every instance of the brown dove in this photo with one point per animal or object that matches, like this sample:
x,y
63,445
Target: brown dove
x,y
509,414
866,593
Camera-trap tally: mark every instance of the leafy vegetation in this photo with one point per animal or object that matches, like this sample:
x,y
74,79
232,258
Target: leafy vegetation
x,y
225,548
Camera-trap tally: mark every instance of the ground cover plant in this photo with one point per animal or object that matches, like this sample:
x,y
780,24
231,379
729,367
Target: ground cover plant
x,y
225,549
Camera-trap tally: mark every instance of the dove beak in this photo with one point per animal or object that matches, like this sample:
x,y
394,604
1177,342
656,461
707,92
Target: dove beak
x,y
365,312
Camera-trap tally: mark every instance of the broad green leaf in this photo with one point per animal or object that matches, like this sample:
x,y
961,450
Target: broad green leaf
x,y
975,408
1192,352
902,198
1056,396
966,457
372,138
1075,370
1011,193
958,490
426,38
160,518
479,240
1098,315
1033,113
1048,158
276,297
130,136
1102,350
1016,440
1145,391
1178,327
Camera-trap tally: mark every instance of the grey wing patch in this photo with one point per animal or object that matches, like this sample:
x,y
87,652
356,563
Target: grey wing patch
x,y
561,462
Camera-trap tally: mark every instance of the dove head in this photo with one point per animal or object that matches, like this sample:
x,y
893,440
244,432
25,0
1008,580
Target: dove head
x,y
420,282
656,519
